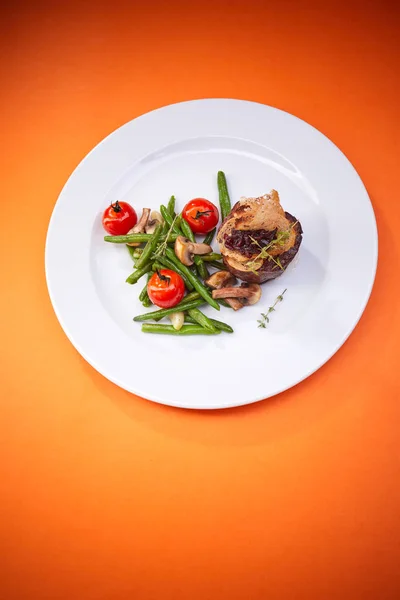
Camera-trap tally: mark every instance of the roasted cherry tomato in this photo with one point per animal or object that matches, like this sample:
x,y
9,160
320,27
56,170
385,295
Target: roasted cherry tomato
x,y
201,214
119,218
165,288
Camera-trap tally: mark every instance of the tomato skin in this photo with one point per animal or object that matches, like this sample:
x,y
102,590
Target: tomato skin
x,y
119,218
201,214
166,288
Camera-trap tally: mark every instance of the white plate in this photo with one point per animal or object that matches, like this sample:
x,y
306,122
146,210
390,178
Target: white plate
x,y
178,150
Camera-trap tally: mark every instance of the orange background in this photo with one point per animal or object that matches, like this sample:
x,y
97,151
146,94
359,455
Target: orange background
x,y
108,496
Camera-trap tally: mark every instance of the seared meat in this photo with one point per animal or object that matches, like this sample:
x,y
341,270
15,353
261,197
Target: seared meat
x,y
258,239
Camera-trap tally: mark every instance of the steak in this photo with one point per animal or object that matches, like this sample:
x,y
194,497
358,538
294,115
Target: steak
x,y
258,239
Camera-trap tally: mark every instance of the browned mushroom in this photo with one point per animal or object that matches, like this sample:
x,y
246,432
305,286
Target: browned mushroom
x,y
220,279
140,225
155,219
185,249
255,295
234,303
251,293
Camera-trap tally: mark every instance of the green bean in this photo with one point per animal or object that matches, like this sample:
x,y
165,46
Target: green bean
x,y
187,232
217,324
191,296
190,320
178,221
170,220
217,265
136,275
165,228
147,302
149,248
201,267
138,238
171,206
185,330
210,236
143,293
197,284
169,265
163,312
134,252
223,302
211,257
224,201
201,319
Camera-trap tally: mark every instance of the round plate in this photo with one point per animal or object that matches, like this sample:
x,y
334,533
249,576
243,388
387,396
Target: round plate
x,y
178,150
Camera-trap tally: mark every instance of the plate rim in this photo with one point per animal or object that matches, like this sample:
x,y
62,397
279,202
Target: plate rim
x,y
293,383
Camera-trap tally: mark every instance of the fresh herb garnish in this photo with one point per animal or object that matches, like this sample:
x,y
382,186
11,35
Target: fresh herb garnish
x,y
280,240
265,316
163,246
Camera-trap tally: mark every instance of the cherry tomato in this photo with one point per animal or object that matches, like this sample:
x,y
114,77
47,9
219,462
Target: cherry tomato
x,y
201,214
165,288
119,218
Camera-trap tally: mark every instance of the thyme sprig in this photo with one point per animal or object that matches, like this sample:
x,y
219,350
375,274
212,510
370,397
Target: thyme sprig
x,y
163,246
279,241
265,316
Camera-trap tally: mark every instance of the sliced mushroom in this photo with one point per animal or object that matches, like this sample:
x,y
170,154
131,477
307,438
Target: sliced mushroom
x,y
185,249
255,293
140,225
234,303
220,279
251,293
155,219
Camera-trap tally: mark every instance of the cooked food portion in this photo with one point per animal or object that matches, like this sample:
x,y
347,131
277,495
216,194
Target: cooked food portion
x,y
249,293
258,239
185,250
141,225
223,285
223,279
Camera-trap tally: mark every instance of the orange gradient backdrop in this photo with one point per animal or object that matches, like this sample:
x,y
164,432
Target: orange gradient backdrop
x,y
105,496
